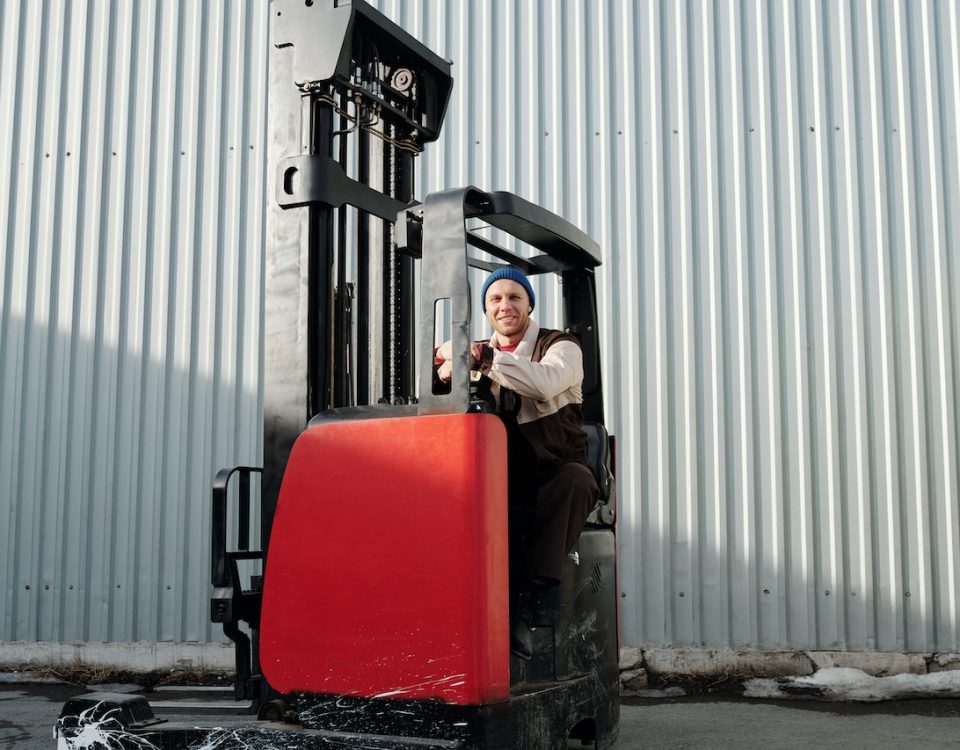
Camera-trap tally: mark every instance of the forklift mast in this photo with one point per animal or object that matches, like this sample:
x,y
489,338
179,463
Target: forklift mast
x,y
353,99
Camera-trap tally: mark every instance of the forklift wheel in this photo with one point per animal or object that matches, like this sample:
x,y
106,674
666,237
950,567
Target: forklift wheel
x,y
275,710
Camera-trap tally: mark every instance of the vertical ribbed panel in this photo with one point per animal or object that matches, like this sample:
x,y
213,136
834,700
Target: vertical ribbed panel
x,y
131,220
775,189
775,186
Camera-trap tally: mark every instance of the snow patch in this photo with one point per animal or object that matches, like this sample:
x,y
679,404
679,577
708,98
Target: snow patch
x,y
855,685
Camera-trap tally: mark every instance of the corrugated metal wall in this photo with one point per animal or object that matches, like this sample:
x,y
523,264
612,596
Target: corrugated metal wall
x,y
776,189
775,186
131,219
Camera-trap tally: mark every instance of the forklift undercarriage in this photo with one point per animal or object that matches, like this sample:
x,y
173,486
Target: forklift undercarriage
x,y
376,614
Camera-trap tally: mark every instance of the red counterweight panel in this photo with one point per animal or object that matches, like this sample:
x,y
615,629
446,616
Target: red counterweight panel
x,y
387,570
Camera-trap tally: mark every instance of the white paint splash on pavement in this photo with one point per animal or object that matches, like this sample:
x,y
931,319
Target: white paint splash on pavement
x,y
98,733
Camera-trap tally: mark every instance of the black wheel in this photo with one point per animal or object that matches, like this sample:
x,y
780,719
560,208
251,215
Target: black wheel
x,y
275,710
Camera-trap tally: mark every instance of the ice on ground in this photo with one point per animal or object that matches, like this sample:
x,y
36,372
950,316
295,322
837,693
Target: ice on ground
x,y
848,684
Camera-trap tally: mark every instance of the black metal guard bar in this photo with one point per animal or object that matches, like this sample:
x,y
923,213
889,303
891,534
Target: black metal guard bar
x,y
219,576
542,229
482,243
316,178
445,255
564,247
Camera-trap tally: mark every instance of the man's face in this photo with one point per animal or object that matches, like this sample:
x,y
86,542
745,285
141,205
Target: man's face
x,y
508,307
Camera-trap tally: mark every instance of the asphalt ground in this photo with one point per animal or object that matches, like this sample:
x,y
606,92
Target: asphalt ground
x,y
28,713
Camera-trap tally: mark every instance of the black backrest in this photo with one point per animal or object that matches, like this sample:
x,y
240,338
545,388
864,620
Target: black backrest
x,y
601,463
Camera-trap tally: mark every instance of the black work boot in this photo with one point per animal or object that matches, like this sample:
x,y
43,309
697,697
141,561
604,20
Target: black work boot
x,y
521,615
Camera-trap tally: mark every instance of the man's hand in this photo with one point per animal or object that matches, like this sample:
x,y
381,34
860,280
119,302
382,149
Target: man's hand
x,y
444,352
445,371
444,358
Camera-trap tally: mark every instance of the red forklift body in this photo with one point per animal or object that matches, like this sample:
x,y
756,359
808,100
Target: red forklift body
x,y
387,575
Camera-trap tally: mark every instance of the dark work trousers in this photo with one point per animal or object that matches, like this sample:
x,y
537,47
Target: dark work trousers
x,y
566,495
547,511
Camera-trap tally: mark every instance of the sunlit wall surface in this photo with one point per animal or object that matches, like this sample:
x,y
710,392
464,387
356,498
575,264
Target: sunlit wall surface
x,y
132,140
775,189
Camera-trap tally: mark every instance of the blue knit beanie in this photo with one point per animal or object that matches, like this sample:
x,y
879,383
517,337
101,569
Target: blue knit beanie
x,y
506,273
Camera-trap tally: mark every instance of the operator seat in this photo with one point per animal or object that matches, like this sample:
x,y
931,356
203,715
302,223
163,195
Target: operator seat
x,y
601,463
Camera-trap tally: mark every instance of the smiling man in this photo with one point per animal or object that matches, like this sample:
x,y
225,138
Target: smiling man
x,y
536,379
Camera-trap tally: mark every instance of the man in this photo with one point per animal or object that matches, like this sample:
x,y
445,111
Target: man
x,y
537,378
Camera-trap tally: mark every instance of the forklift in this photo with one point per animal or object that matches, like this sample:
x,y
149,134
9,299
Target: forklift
x,y
381,616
